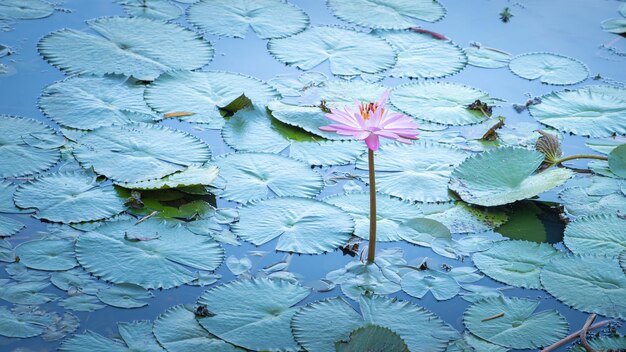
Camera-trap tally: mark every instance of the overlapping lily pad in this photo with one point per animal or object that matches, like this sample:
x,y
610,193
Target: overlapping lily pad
x,y
254,314
154,9
617,161
616,25
343,48
126,46
233,18
600,278
69,197
23,321
25,292
549,68
596,234
516,263
203,93
193,175
510,322
47,254
443,103
486,57
503,176
372,338
139,152
415,172
254,176
594,195
309,118
595,111
26,146
9,227
320,324
152,254
419,282
136,336
89,102
395,14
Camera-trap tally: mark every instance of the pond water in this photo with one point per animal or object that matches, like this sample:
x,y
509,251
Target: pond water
x,y
570,29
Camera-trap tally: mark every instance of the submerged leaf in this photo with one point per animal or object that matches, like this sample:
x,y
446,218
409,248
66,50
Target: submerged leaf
x,y
154,9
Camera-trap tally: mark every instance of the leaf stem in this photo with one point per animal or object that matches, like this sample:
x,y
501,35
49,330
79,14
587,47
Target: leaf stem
x,y
580,156
371,250
574,336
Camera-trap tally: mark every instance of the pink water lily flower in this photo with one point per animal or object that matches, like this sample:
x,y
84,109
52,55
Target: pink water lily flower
x,y
371,121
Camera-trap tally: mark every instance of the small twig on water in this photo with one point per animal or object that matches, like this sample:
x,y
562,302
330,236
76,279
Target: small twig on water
x,y
573,336
146,217
499,315
583,333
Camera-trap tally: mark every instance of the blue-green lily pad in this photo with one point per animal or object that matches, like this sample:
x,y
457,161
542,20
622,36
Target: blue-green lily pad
x,y
9,227
418,283
372,338
549,68
394,14
596,234
136,336
23,321
617,161
154,9
124,296
486,57
52,255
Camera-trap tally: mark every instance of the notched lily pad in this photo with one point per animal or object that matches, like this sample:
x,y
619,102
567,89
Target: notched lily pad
x,y
596,234
394,14
549,68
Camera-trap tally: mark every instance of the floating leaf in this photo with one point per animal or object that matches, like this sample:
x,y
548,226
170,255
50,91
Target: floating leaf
x,y
503,176
601,279
53,255
76,279
320,324
309,118
443,103
27,292
372,338
6,252
461,217
595,111
597,195
61,327
516,263
193,175
422,56
390,214
233,18
510,322
152,254
23,321
124,296
254,314
25,9
416,172
9,227
136,336
204,92
254,176
617,161
177,330
549,68
341,47
7,189
395,14
479,344
238,266
20,151
603,343
616,25
88,102
139,152
418,283
82,303
304,225
154,9
423,232
326,153
601,234
486,57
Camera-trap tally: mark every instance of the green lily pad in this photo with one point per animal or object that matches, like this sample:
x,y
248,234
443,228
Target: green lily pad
x,y
139,152
82,303
423,231
124,296
418,283
596,234
203,93
9,227
254,176
461,217
193,175
21,151
309,118
372,338
233,18
253,313
136,336
603,343
617,161
23,321
177,330
69,197
518,327
595,111
76,279
126,46
597,195
486,57
390,214
52,255
422,56
516,263
153,9
343,48
415,172
304,225
549,68
504,175
320,324
152,254
25,9
395,14
26,292
89,102
600,278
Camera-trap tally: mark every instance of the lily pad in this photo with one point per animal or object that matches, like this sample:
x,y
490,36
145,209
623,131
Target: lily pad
x,y
549,68
603,343
596,234
343,48
600,278
395,14
422,56
23,321
372,338
233,18
510,322
193,175
516,263
320,324
238,266
304,225
597,195
26,292
461,217
154,9
177,330
390,214
89,102
9,227
152,254
139,152
595,111
69,197
81,302
415,172
254,314
309,118
52,255
617,161
126,46
486,57
7,189
418,283
504,175
25,9
443,103
136,336
203,93
124,296
254,176
21,151
424,232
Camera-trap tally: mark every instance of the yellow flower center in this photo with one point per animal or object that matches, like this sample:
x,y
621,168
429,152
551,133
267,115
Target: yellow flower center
x,y
365,109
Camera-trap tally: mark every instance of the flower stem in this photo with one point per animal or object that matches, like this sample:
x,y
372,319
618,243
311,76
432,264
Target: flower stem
x,y
371,251
580,156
